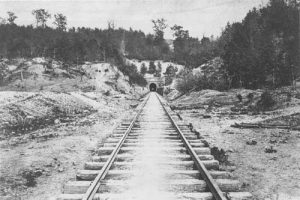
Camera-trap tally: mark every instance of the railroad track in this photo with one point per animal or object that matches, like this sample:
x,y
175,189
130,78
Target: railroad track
x,y
155,156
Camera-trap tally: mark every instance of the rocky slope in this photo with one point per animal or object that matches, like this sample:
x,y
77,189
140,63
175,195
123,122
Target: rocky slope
x,y
52,116
39,74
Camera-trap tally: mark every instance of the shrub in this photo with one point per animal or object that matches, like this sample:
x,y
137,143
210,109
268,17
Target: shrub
x,y
167,90
21,123
240,98
133,74
30,176
266,101
188,81
220,155
250,97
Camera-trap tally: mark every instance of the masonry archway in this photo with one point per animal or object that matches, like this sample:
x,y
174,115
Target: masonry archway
x,y
153,87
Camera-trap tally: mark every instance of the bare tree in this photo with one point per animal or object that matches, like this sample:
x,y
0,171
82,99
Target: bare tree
x,y
41,16
159,26
11,17
60,21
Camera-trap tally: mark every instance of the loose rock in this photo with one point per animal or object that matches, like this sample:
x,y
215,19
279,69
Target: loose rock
x,y
251,142
56,121
270,150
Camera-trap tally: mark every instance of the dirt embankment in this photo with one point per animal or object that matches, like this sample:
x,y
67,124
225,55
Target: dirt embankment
x,y
36,163
265,160
25,112
52,116
44,74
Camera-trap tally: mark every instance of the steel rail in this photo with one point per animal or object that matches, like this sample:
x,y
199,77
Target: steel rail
x,y
212,185
93,188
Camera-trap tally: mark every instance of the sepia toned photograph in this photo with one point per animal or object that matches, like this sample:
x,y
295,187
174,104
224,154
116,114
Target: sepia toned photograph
x,y
149,99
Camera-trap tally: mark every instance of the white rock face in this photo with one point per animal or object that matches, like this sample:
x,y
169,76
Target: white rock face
x,y
164,65
36,68
107,77
12,67
39,60
211,67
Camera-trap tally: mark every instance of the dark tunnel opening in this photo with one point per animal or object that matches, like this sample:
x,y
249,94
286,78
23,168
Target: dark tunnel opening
x,y
153,87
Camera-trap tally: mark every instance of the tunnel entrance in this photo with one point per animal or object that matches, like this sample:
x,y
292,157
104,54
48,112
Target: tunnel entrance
x,y
153,87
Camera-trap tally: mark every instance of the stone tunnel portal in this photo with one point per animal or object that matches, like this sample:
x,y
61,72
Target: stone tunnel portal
x,y
153,87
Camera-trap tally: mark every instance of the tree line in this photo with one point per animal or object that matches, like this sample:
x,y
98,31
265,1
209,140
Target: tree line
x,y
261,51
264,48
80,44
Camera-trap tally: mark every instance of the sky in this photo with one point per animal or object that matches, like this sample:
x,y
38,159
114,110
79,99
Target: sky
x,y
200,17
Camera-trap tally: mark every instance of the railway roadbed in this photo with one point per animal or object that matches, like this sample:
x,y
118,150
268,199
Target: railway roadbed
x,y
154,156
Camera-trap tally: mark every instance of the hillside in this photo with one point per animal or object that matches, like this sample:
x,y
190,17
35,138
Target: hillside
x,y
39,74
60,112
164,64
38,91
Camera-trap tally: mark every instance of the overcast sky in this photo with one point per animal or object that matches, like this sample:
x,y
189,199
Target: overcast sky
x,y
200,17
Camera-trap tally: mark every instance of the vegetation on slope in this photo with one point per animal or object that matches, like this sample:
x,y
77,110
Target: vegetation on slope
x,y
261,51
